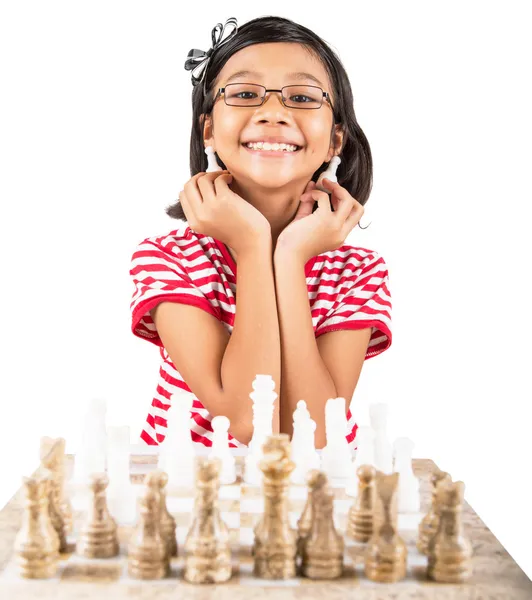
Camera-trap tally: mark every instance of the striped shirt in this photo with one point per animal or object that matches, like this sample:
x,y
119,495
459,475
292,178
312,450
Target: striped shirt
x,y
347,289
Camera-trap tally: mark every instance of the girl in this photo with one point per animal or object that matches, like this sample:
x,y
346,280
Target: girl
x,y
261,282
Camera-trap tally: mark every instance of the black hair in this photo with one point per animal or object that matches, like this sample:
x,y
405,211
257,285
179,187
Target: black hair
x,y
355,172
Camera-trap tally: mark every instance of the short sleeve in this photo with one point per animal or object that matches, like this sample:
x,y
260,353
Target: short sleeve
x,y
366,302
158,275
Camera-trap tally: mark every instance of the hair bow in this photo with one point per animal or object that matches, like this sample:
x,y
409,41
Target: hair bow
x,y
198,60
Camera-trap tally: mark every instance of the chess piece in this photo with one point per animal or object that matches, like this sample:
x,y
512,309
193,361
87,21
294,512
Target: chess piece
x,y
52,458
147,551
383,459
365,455
157,480
336,458
98,537
177,454
316,480
303,446
263,396
385,560
207,546
56,518
121,496
408,499
91,456
220,449
212,163
430,522
322,549
449,551
274,547
36,543
360,522
329,173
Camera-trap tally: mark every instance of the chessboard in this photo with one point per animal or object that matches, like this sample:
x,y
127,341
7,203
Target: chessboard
x,y
241,506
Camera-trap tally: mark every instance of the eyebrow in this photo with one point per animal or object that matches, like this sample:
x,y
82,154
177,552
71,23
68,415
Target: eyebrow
x,y
299,75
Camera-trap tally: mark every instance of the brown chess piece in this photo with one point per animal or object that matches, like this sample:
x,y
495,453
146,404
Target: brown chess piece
x,y
207,545
147,550
56,518
449,550
158,479
429,525
275,542
98,536
360,518
385,559
37,543
315,479
322,550
52,457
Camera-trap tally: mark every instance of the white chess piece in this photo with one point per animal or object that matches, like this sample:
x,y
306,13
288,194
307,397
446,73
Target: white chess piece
x,y
329,173
211,160
365,455
336,456
91,456
408,499
177,454
263,396
303,446
220,449
378,414
121,494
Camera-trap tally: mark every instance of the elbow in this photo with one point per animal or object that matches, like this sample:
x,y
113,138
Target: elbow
x,y
242,432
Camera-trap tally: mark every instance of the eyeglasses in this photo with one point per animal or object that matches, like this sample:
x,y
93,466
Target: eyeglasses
x,y
292,96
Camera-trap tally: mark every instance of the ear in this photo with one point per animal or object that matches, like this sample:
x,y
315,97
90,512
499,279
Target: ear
x,y
337,142
206,125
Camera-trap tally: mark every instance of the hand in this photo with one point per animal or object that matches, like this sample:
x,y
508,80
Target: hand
x,y
213,209
311,233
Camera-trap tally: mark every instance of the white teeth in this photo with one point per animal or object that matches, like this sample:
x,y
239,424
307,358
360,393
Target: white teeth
x,y
268,146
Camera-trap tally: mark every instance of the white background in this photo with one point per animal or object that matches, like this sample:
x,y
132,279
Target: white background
x,y
94,138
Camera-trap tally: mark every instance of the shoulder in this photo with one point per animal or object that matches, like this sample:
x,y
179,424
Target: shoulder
x,y
349,262
175,242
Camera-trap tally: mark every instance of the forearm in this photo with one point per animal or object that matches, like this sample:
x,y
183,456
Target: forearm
x,y
254,346
303,372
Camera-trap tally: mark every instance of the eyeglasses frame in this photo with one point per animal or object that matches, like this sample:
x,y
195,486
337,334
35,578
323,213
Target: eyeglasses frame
x,y
326,95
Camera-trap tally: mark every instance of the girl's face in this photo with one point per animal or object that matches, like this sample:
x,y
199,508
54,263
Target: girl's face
x,y
273,65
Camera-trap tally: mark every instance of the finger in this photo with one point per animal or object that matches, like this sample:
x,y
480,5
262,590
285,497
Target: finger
x,y
353,218
221,183
303,210
344,200
206,184
187,209
322,198
306,195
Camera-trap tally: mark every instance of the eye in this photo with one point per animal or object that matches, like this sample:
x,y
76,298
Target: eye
x,y
301,96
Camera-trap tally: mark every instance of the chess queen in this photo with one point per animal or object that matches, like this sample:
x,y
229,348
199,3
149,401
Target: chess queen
x,y
262,278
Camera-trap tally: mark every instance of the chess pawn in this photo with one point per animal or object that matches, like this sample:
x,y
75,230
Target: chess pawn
x,y
36,544
329,173
212,163
98,536
220,449
157,480
303,446
385,559
449,551
430,522
147,551
322,550
365,455
207,545
336,458
360,522
316,480
274,547
378,415
52,457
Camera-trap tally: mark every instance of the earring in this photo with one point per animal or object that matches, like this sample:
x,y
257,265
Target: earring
x,y
211,159
329,173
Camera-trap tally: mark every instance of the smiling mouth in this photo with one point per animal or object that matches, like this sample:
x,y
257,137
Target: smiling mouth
x,y
273,153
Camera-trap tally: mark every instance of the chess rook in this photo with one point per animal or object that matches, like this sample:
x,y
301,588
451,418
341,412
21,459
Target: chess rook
x,y
207,546
36,544
450,552
274,547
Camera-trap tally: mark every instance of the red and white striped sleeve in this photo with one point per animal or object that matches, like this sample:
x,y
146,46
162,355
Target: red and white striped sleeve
x,y
158,275
365,303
